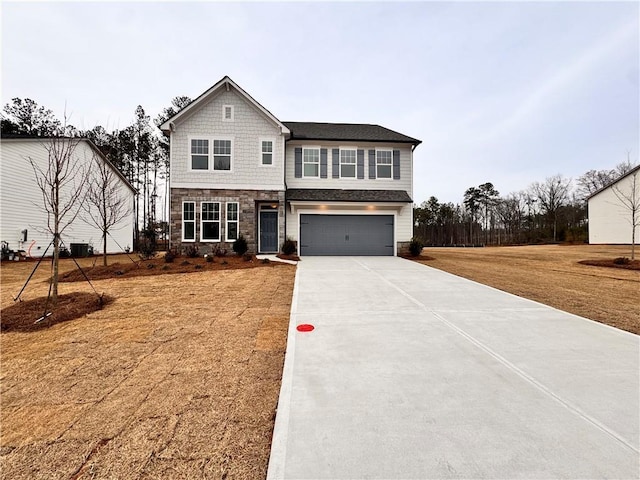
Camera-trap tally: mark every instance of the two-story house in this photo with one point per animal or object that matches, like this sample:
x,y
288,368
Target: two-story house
x,y
335,189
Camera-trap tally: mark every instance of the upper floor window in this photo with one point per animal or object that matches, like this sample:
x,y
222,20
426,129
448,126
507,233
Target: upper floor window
x,y
347,163
266,147
227,113
210,221
384,160
199,154
222,154
311,162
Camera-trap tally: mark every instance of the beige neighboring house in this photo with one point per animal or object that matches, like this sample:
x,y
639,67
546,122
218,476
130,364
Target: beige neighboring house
x,y
609,218
333,188
23,221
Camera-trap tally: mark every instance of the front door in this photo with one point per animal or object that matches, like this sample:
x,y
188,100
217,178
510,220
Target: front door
x,y
268,231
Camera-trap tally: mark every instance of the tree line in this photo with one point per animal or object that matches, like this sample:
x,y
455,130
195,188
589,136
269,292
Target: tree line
x,y
139,151
553,210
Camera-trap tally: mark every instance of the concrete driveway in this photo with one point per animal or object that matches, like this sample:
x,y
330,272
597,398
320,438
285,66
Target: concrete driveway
x,y
415,373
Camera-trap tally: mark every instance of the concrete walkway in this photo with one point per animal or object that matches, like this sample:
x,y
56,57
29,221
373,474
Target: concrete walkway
x,y
413,373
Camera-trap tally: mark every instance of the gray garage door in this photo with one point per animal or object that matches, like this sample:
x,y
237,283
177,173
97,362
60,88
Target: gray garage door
x,y
346,235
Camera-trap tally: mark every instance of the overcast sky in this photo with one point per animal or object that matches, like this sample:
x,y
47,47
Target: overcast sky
x,y
505,92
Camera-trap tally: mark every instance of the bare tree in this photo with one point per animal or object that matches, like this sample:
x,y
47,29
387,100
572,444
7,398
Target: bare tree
x,y
551,196
105,205
629,198
62,183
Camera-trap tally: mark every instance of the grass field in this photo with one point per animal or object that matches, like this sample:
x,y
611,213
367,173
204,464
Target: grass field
x,y
551,274
177,378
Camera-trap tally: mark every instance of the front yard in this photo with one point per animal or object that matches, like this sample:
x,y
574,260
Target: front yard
x,y
177,378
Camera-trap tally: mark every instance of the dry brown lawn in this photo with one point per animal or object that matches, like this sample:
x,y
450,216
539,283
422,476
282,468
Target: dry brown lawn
x,y
178,377
551,274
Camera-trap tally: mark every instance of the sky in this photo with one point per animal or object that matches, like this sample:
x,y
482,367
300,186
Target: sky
x,y
502,92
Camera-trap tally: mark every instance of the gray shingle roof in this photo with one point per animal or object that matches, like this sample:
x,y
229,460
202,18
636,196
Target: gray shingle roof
x,y
338,195
346,132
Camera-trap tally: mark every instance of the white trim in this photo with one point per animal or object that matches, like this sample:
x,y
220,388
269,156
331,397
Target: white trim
x,y
210,154
189,154
236,221
390,177
213,157
219,221
215,185
224,113
352,212
314,205
355,164
261,152
169,125
195,235
309,147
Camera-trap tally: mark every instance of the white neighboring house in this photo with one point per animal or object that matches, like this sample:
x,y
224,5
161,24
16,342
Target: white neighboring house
x,y
609,219
23,220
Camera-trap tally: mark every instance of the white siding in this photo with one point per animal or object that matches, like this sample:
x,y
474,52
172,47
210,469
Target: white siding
x,y
21,202
404,212
246,130
609,220
404,183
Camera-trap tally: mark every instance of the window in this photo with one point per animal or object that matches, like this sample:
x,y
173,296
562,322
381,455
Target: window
x,y
347,163
227,113
188,221
232,221
210,221
311,162
199,154
384,161
222,154
266,149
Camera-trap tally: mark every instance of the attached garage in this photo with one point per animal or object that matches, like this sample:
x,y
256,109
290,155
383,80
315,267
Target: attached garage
x,y
326,234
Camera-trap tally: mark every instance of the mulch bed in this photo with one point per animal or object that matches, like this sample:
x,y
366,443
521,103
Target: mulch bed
x,y
22,316
613,263
158,266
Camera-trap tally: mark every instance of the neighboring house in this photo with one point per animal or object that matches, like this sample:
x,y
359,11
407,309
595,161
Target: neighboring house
x,y
23,220
335,189
609,218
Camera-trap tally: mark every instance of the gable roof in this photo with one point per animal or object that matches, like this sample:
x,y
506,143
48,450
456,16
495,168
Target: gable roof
x,y
340,195
346,132
625,175
93,146
225,82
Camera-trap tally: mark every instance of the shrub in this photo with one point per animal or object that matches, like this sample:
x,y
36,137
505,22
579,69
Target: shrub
x,y
289,246
170,256
219,252
208,258
247,257
265,261
192,251
240,246
621,261
415,247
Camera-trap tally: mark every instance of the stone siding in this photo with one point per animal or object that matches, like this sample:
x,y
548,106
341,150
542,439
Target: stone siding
x,y
248,217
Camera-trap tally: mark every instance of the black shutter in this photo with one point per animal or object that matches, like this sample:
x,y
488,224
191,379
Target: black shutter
x,y
360,164
372,164
323,163
396,164
335,167
298,162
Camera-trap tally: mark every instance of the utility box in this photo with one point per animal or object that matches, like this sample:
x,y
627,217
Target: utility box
x,y
79,249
